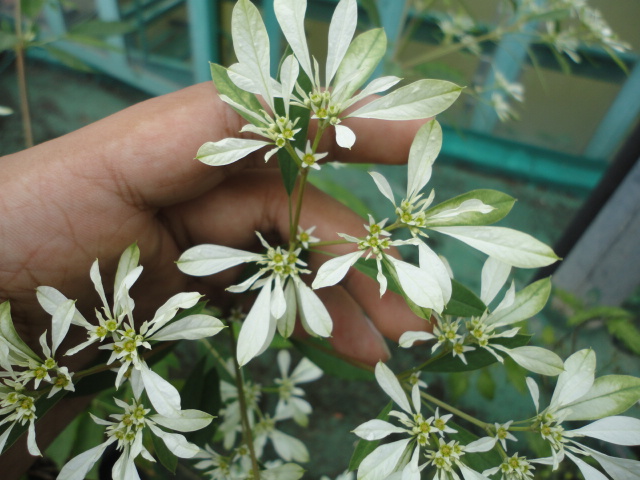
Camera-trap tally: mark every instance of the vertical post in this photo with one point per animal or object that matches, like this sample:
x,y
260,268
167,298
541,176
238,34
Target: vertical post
x,y
275,40
203,36
620,117
393,15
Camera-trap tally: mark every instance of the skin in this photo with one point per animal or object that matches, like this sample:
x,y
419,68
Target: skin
x,y
131,177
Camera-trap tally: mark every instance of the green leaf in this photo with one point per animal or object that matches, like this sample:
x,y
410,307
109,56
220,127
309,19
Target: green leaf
x,y
101,29
463,303
421,99
167,459
458,383
371,8
528,302
9,334
340,193
486,384
479,358
320,352
67,59
609,395
361,59
626,332
365,447
8,41
478,461
225,86
201,391
602,313
32,8
550,16
501,202
288,167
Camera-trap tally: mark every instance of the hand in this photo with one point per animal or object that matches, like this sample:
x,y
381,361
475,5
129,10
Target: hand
x,y
132,177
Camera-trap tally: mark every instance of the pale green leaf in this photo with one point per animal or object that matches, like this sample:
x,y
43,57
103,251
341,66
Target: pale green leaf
x,y
290,15
609,395
341,30
418,100
192,327
424,151
528,302
510,246
536,359
361,59
251,45
10,336
247,101
577,378
228,150
501,204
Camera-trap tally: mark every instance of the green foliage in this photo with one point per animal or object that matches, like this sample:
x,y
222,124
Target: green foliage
x,y
464,303
501,203
320,352
226,87
167,459
201,391
477,359
365,447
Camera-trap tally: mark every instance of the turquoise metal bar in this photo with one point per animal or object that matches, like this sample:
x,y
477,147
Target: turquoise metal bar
x,y
522,161
508,60
203,37
275,38
622,114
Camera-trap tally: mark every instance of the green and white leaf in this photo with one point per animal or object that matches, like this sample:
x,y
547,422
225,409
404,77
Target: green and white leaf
x,y
245,103
11,337
341,30
577,378
418,100
290,15
207,259
228,150
251,45
617,429
424,151
527,303
535,359
609,395
361,59
510,246
192,327
449,214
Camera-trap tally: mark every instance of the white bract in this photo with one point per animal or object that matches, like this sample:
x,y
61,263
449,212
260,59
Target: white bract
x,y
483,331
418,283
464,217
400,459
578,396
282,293
127,430
291,403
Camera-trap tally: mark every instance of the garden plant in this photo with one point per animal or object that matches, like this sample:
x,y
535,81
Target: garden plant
x,y
231,434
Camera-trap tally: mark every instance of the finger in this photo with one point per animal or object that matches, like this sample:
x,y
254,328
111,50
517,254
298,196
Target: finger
x,y
353,334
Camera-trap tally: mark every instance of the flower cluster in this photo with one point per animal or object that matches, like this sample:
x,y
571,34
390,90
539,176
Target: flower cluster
x,y
236,462
128,343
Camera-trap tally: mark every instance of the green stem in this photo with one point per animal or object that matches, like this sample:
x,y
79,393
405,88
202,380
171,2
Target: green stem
x,y
22,78
296,219
214,353
455,411
448,49
328,242
244,419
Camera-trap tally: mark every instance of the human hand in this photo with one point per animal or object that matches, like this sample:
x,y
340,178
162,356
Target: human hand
x,y
132,178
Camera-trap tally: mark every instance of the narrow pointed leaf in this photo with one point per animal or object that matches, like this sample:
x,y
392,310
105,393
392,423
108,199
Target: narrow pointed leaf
x,y
226,87
528,302
501,203
228,150
290,15
424,151
341,30
418,100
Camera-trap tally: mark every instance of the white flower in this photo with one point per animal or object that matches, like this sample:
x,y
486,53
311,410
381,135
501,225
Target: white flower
x,y
417,283
349,64
513,468
485,329
19,408
305,237
282,293
127,430
310,159
464,218
287,447
291,404
579,396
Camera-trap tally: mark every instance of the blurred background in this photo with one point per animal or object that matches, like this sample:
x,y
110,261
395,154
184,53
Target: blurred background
x,y
550,115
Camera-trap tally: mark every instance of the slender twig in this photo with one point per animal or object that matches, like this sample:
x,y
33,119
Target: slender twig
x,y
455,411
244,418
22,78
